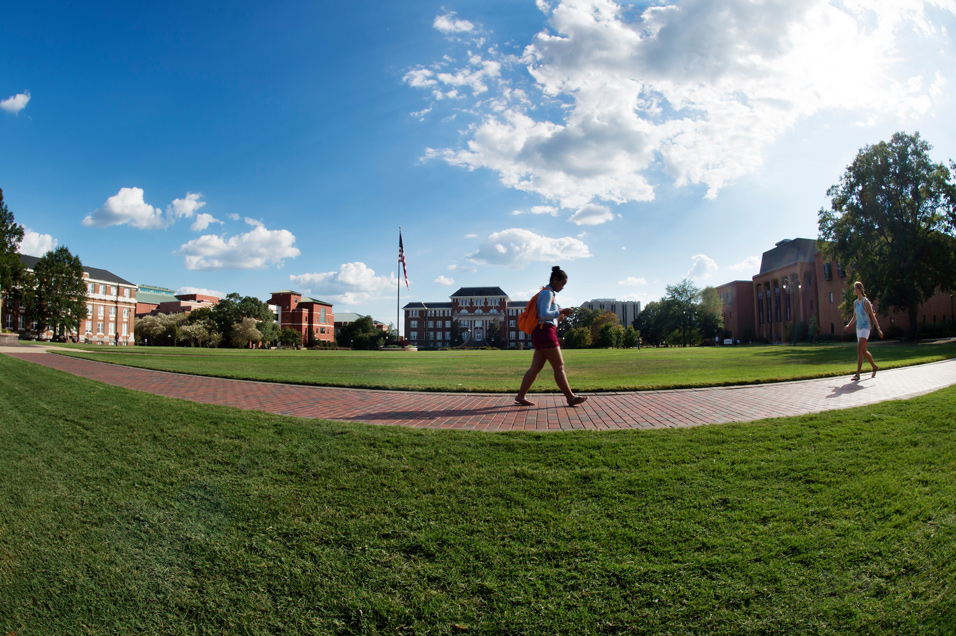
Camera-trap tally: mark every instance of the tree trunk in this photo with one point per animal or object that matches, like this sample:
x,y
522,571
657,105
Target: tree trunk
x,y
912,333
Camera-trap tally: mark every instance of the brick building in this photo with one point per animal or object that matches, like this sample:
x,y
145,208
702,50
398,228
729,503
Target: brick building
x,y
110,309
304,314
151,301
796,288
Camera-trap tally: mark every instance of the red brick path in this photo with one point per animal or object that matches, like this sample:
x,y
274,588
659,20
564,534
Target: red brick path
x,y
495,412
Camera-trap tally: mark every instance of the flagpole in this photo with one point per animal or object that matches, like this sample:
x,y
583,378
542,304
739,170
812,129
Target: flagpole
x,y
398,283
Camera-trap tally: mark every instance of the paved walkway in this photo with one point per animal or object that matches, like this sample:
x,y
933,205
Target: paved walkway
x,y
496,412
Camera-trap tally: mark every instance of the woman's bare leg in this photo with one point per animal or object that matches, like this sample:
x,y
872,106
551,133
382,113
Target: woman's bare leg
x,y
537,363
560,378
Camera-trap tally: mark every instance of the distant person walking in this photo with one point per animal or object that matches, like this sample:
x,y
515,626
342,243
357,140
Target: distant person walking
x,y
545,341
864,318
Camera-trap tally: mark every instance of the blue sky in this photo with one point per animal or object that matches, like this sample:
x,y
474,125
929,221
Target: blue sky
x,y
251,147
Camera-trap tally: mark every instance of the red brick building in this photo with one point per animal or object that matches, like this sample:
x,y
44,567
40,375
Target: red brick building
x,y
304,314
110,309
475,309
797,289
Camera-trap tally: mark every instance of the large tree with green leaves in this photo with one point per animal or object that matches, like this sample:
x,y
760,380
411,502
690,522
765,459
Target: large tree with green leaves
x,y
59,293
11,268
684,304
888,221
233,309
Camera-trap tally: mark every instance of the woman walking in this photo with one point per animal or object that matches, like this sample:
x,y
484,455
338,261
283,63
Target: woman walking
x,y
864,318
545,341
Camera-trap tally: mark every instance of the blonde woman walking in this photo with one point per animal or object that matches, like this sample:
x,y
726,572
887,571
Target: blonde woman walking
x,y
864,318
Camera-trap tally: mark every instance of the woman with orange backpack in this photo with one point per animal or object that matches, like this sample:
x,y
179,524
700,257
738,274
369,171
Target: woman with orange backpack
x,y
544,337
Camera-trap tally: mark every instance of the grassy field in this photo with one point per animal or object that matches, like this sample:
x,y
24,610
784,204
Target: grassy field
x,y
127,513
501,371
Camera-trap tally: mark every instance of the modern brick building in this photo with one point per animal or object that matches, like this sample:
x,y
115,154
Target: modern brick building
x,y
796,288
159,300
110,309
304,314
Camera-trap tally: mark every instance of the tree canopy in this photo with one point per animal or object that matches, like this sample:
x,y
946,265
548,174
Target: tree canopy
x,y
11,268
891,222
59,292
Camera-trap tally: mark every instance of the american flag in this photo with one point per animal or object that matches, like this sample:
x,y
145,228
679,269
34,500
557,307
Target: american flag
x,y
401,257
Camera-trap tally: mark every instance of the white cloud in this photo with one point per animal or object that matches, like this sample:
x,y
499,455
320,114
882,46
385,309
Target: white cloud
x,y
16,103
255,249
352,284
750,265
550,210
201,291
515,248
465,269
592,215
127,206
203,220
444,280
448,24
36,244
632,280
703,268
184,208
605,102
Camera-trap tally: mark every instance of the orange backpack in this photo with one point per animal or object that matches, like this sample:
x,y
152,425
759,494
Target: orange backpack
x,y
528,321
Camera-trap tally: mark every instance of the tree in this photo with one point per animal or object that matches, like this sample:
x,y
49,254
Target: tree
x,y
233,309
582,317
577,338
710,314
11,267
655,321
493,334
602,320
362,334
611,336
245,333
887,222
683,299
631,337
59,292
289,337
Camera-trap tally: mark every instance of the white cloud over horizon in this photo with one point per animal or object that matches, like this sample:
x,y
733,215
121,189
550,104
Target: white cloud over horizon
x,y
352,284
703,268
514,248
16,103
36,244
129,207
256,249
751,264
606,103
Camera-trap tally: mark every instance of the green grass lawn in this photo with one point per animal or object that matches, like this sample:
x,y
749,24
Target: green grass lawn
x,y
128,513
501,371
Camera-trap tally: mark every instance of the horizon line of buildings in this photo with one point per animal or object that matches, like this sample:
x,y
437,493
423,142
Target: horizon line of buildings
x,y
794,285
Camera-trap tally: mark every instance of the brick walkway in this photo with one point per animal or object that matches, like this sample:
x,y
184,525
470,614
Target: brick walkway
x,y
495,412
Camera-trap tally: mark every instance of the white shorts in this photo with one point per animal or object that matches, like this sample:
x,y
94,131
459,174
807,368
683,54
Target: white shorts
x,y
862,334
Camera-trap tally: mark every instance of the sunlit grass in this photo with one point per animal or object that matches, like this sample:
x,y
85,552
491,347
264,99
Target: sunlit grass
x,y
123,512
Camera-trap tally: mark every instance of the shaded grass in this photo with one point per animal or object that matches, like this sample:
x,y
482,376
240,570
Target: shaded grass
x,y
501,371
126,513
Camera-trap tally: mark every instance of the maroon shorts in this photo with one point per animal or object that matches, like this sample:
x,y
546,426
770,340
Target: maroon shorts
x,y
545,337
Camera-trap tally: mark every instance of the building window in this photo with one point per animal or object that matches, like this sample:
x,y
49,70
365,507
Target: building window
x,y
840,271
112,312
100,311
827,272
99,327
322,319
414,324
125,330
831,298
